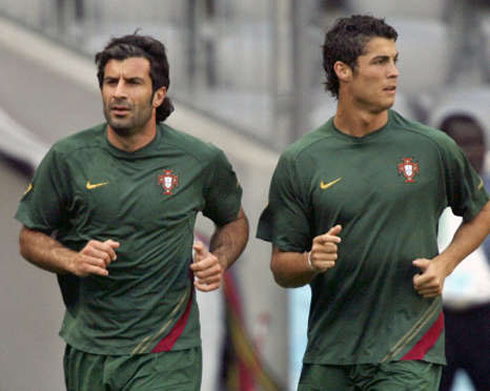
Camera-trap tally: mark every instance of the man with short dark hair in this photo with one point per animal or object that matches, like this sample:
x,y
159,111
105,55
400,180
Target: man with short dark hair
x,y
353,212
112,210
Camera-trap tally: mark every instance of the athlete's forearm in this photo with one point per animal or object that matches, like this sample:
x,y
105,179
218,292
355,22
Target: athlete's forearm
x,y
229,240
467,239
291,269
44,251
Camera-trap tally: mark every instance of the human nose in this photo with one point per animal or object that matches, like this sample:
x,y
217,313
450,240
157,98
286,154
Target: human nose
x,y
393,70
120,90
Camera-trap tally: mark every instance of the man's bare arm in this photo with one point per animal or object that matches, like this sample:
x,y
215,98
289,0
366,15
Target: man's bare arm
x,y
229,240
430,282
292,269
227,243
49,254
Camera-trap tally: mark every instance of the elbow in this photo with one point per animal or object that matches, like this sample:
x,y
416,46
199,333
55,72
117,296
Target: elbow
x,y
282,280
283,283
279,280
285,271
22,245
245,227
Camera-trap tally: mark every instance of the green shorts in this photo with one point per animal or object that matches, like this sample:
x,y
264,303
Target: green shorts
x,y
392,376
167,371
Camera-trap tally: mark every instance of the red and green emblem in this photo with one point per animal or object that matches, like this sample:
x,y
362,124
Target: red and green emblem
x,y
408,168
168,180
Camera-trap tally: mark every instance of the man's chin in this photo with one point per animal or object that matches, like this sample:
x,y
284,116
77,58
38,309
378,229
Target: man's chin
x,y
390,103
122,130
386,106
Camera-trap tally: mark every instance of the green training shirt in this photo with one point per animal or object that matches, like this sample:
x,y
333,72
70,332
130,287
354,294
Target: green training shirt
x,y
148,201
387,190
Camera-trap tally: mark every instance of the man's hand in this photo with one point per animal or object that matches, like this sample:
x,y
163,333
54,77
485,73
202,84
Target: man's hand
x,y
207,269
94,258
430,281
324,250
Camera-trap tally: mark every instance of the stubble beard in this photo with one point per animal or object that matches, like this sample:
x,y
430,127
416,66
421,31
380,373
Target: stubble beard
x,y
128,126
122,130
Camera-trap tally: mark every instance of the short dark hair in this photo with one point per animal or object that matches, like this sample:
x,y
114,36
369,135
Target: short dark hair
x,y
140,46
446,123
346,41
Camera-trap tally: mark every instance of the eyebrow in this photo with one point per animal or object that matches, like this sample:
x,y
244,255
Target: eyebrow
x,y
131,78
135,78
385,57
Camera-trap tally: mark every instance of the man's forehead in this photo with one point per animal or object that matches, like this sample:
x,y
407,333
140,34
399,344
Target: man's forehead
x,y
131,65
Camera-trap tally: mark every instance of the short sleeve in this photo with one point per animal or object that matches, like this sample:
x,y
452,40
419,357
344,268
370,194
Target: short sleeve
x,y
222,192
465,189
41,207
286,220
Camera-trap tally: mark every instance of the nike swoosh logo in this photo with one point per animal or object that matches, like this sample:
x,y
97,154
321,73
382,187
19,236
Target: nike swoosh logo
x,y
29,188
91,186
480,185
325,186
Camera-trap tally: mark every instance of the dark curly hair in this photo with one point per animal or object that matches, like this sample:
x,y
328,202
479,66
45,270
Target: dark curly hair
x,y
140,46
346,41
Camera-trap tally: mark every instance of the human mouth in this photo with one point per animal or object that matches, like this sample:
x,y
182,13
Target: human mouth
x,y
120,109
390,89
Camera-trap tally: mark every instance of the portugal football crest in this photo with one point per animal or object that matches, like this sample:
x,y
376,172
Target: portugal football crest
x,y
168,180
408,168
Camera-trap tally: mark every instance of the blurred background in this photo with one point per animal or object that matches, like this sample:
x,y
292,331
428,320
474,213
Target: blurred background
x,y
245,75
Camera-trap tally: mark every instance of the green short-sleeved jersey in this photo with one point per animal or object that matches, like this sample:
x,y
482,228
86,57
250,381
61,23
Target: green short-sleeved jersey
x,y
387,190
148,201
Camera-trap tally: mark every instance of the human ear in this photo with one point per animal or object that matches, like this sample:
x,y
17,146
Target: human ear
x,y
159,96
342,70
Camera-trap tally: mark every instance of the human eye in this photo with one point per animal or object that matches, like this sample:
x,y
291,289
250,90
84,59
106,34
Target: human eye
x,y
380,60
135,81
110,81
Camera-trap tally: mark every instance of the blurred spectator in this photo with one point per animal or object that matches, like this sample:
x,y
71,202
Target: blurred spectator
x,y
467,290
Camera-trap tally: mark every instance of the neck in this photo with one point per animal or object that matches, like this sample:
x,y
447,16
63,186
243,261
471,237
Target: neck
x,y
133,141
358,123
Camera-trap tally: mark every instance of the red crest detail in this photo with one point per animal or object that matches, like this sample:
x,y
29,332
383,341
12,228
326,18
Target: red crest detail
x,y
168,181
408,168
